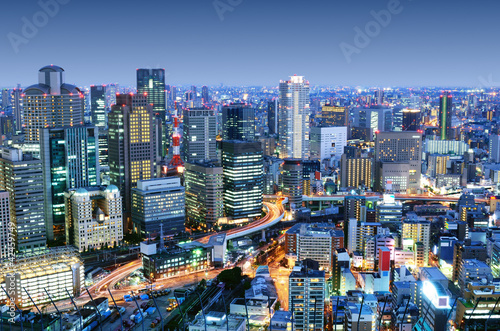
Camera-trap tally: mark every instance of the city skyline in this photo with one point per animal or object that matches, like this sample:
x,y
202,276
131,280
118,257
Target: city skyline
x,y
399,51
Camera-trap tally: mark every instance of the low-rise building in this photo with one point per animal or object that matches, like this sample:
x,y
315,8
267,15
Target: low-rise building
x,y
217,321
56,269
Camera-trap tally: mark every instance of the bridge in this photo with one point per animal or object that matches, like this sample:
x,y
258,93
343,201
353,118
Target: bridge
x,y
275,213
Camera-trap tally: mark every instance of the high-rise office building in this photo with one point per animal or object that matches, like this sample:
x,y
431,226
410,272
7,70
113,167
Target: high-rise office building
x,y
17,108
292,182
242,164
398,149
327,142
445,108
356,172
494,148
157,202
272,116
204,203
199,135
306,298
21,175
94,217
98,106
204,95
70,160
132,144
6,234
50,103
294,118
111,92
238,122
333,116
151,83
411,119
103,149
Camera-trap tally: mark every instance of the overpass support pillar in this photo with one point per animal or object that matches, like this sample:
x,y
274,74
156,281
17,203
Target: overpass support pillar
x,y
320,205
263,235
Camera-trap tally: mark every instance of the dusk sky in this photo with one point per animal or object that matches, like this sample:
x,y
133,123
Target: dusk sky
x,y
257,42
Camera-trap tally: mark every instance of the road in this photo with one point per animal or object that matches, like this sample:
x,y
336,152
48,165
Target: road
x,y
274,211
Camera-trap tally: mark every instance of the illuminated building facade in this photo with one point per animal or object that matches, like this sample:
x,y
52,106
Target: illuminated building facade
x,y
157,202
333,116
132,144
180,259
399,148
479,306
6,237
94,217
98,106
151,83
242,178
70,160
389,210
328,142
355,172
238,122
272,116
204,202
411,119
21,175
50,103
306,299
417,230
57,270
445,107
314,241
294,118
292,182
435,307
199,135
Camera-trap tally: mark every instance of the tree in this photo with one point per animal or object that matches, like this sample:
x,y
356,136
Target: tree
x,y
230,277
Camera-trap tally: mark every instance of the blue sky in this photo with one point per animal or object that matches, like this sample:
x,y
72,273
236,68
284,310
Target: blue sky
x,y
257,42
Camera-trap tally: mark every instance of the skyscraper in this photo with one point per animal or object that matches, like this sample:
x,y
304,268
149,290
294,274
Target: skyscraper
x,y
306,299
21,176
199,135
356,172
204,95
158,203
445,107
294,118
17,110
132,144
411,119
98,105
242,164
204,204
151,82
272,116
292,182
6,234
69,160
238,122
398,149
50,103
